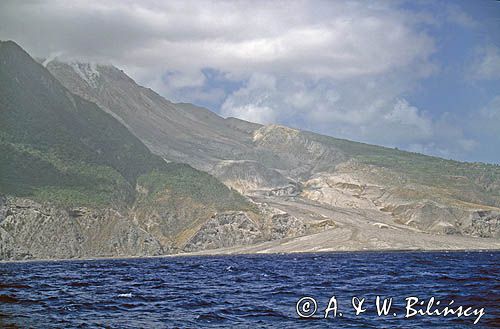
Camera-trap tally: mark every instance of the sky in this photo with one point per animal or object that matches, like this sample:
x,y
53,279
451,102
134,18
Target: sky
x,y
422,76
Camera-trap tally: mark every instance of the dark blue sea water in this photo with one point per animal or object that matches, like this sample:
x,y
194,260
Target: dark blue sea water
x,y
258,291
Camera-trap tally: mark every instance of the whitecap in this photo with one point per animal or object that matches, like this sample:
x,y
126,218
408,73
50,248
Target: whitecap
x,y
128,295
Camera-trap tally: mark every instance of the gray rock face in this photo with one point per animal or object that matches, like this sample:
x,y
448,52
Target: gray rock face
x,y
299,156
485,224
9,249
29,230
434,217
285,226
3,208
410,206
34,231
234,229
439,218
225,230
289,190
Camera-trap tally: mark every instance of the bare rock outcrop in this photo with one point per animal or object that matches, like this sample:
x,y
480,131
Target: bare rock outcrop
x,y
437,218
288,190
245,175
294,153
484,223
340,190
30,230
231,229
411,206
225,230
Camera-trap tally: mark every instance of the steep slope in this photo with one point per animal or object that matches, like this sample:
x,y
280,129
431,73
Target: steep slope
x,y
192,135
79,148
422,192
428,193
187,133
78,183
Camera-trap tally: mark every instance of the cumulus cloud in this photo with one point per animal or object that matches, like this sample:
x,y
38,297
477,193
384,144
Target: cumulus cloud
x,y
254,102
363,109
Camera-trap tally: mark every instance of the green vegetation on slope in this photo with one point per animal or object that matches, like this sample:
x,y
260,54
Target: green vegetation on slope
x,y
26,171
470,182
57,147
184,182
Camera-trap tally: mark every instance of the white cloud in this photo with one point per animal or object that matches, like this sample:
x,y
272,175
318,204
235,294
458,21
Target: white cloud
x,y
361,109
336,67
176,80
320,39
253,113
254,101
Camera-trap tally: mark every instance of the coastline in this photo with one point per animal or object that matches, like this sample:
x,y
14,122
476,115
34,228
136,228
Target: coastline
x,y
213,252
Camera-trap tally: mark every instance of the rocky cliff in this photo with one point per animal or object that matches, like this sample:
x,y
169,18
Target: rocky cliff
x,y
32,230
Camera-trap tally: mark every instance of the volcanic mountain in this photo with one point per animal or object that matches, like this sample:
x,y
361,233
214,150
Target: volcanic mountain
x,y
95,165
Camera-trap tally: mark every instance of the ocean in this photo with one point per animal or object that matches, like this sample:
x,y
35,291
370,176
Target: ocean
x,y
256,291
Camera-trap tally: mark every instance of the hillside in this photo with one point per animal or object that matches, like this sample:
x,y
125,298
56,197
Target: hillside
x,y
193,135
422,192
64,158
201,134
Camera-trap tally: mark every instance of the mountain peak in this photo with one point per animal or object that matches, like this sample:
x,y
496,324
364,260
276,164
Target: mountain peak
x,y
91,73
88,72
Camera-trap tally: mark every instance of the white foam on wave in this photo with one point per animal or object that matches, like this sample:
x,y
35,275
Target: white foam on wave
x,y
128,295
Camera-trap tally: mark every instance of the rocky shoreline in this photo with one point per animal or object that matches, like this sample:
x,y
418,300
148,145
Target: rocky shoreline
x,y
29,230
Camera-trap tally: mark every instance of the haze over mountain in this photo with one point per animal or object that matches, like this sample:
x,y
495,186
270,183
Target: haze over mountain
x,y
79,180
